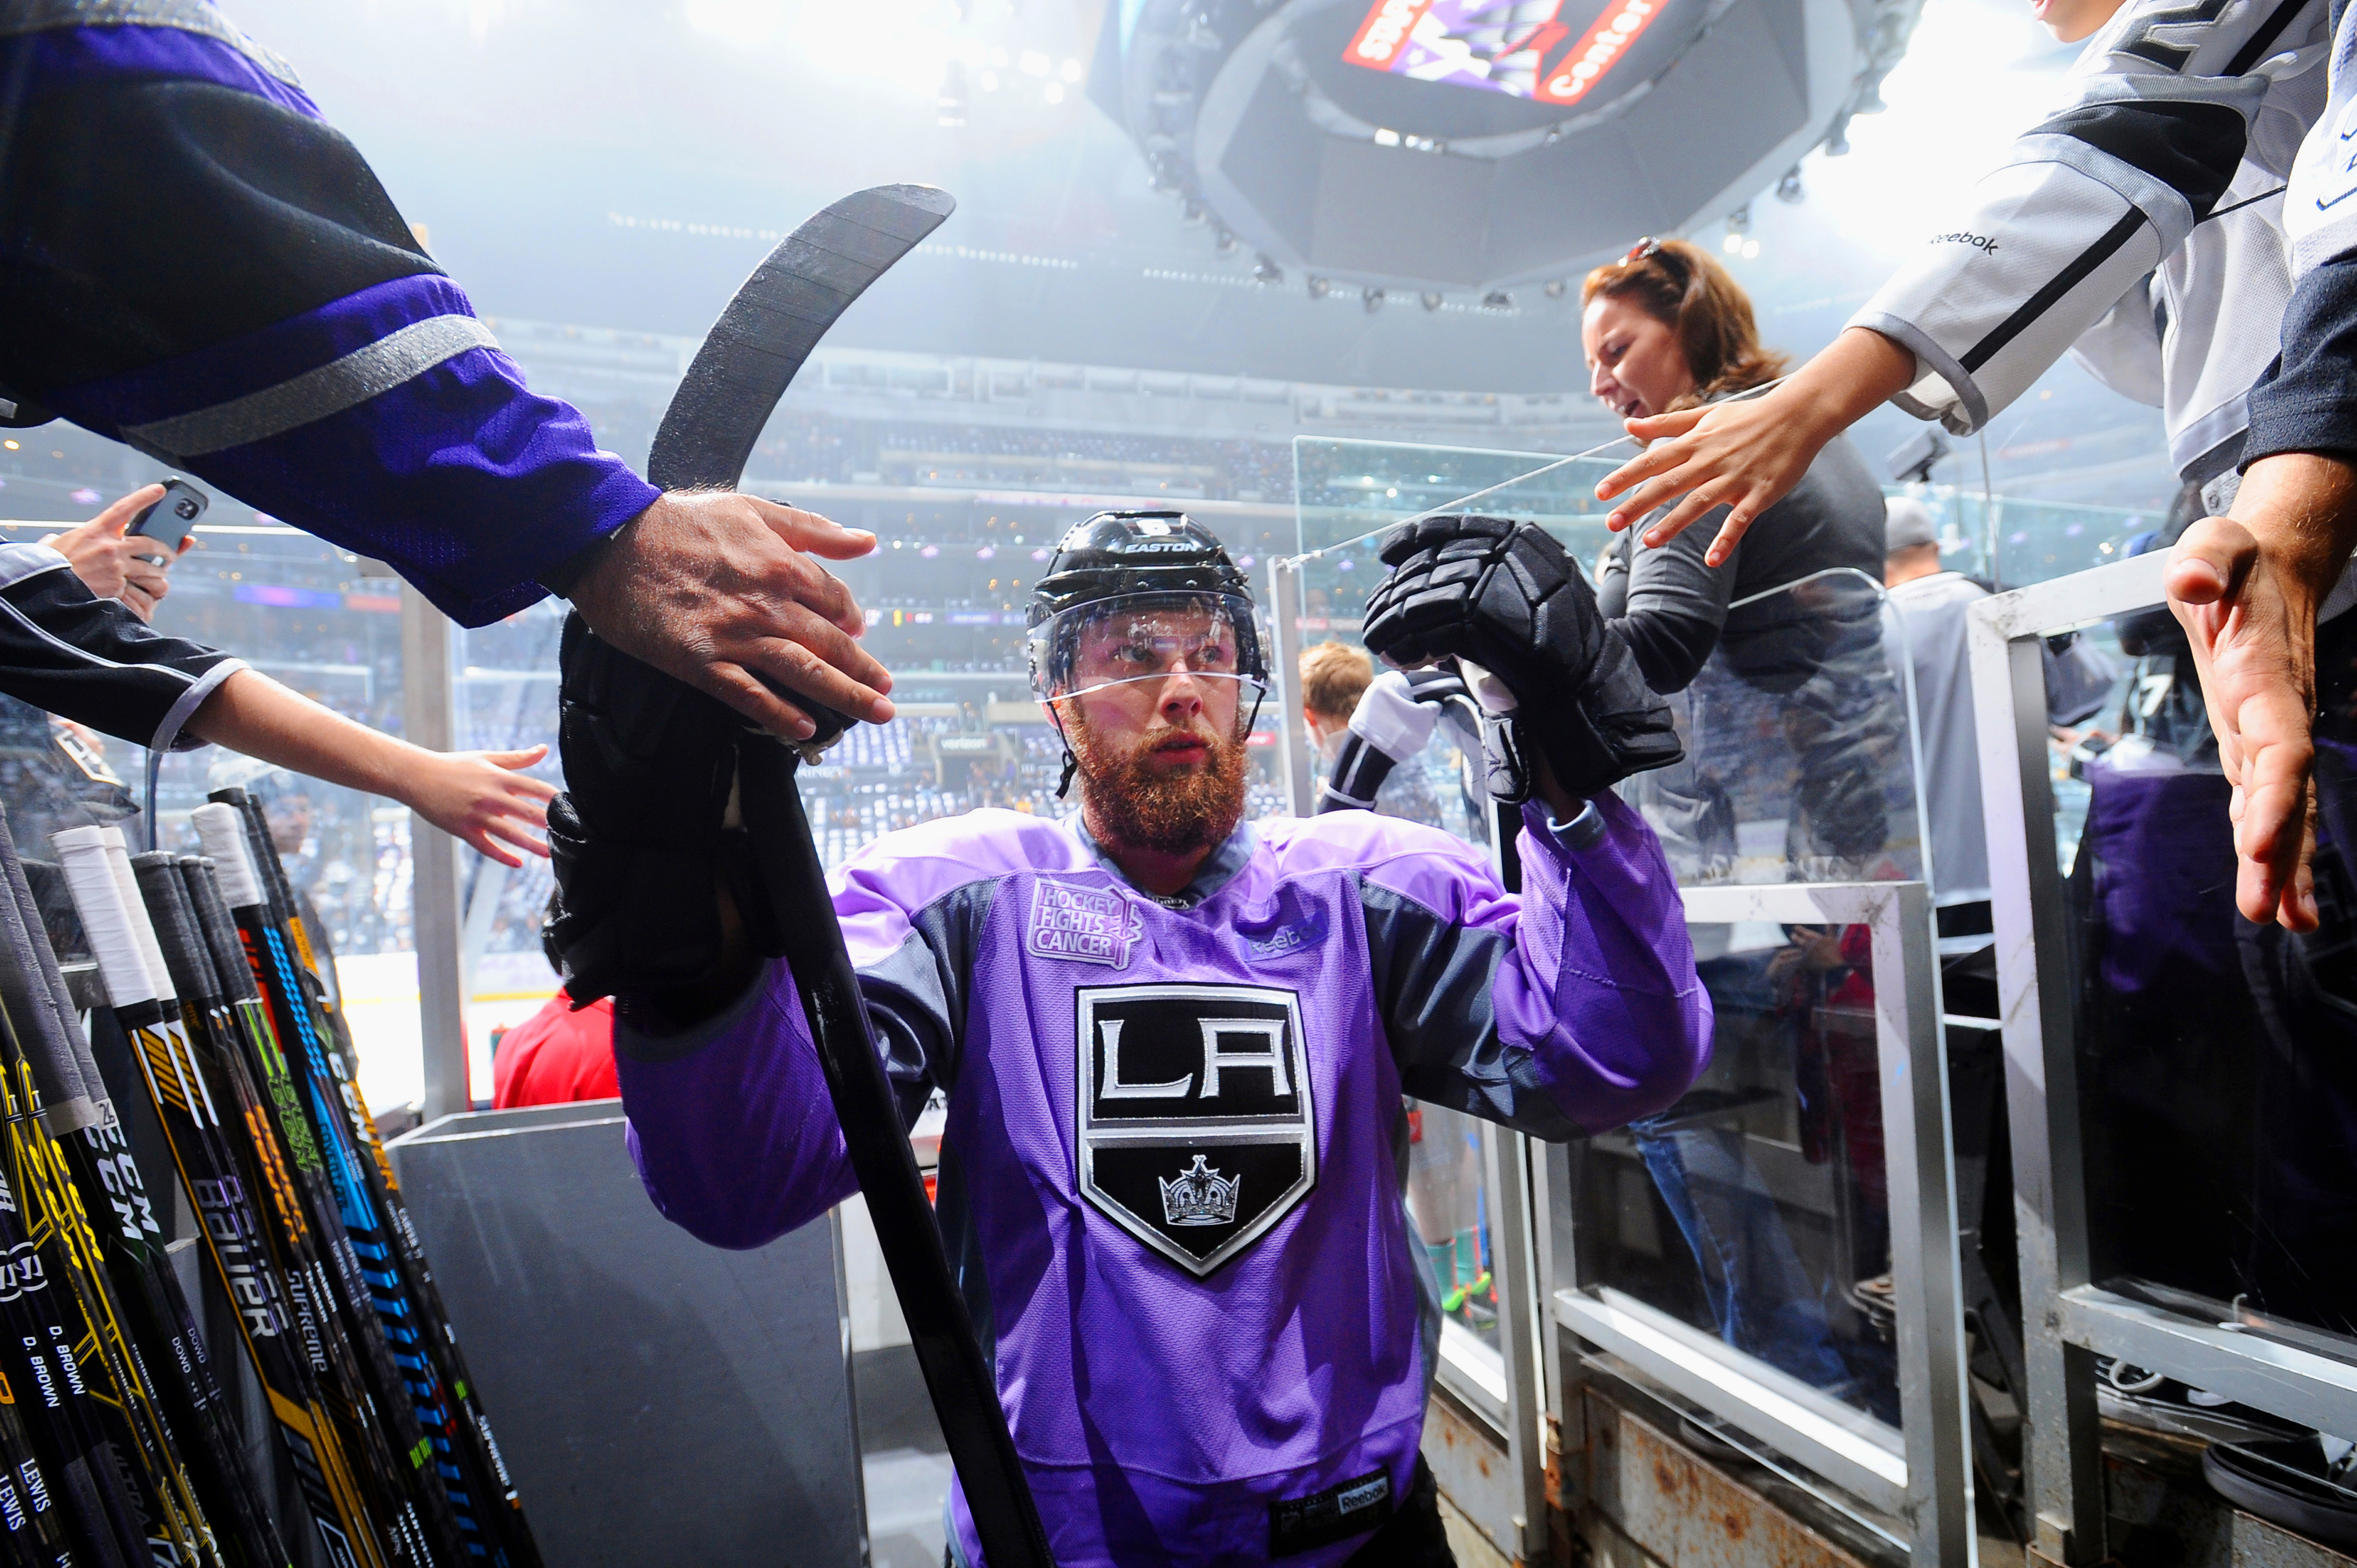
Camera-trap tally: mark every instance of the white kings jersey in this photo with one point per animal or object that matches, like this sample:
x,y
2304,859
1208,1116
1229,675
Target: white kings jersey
x,y
2142,222
2320,213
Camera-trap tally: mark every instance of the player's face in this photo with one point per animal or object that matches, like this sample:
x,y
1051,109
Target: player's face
x,y
1160,683
1160,749
1635,367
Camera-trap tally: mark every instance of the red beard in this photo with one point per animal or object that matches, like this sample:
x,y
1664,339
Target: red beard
x,y
1164,813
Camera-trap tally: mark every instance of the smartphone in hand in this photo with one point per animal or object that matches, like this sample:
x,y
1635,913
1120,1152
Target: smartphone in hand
x,y
168,518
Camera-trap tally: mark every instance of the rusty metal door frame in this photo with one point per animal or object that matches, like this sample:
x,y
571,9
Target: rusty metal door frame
x,y
2069,1320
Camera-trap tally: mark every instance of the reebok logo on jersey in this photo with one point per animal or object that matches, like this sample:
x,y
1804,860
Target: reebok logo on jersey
x,y
1087,925
1341,1512
1984,243
1291,937
1195,1129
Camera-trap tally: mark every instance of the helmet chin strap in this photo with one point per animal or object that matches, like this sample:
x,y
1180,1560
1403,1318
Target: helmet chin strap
x,y
1071,763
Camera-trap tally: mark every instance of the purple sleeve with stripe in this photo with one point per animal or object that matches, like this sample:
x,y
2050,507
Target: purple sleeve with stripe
x,y
459,477
383,418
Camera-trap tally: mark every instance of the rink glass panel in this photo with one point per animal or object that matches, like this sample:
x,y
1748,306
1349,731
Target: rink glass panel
x,y
2191,1172
1757,1209
1800,758
1748,1234
328,624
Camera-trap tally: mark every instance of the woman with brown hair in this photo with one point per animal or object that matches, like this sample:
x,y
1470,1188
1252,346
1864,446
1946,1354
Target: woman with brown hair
x,y
1665,329
1796,769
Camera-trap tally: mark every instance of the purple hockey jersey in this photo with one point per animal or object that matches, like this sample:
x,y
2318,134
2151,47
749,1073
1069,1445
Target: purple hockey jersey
x,y
1172,1180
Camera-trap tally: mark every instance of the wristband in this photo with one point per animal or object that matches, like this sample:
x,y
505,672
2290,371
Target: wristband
x,y
1585,831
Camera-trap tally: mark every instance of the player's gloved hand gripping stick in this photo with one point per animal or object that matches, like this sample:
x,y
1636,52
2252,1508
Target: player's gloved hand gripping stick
x,y
1513,611
670,799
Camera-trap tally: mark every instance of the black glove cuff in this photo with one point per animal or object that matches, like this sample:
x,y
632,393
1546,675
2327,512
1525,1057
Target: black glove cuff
x,y
1360,771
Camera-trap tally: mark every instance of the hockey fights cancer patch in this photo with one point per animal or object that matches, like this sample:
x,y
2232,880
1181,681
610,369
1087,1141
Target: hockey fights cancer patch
x,y
1197,1129
1088,924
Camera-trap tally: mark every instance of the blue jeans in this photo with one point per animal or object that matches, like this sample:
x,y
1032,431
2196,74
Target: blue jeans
x,y
1760,1295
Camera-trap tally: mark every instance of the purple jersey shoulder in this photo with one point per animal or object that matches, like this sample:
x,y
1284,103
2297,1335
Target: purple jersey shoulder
x,y
884,884
194,44
1436,868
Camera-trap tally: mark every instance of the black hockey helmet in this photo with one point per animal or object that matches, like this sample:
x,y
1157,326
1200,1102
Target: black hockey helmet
x,y
1137,562
1134,590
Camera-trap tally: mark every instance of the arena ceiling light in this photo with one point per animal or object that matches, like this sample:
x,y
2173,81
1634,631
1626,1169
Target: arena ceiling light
x,y
1480,144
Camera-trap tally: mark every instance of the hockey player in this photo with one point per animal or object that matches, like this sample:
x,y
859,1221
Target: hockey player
x,y
194,263
2146,220
1174,1043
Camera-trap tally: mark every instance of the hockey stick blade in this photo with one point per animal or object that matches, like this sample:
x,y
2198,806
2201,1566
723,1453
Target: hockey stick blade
x,y
762,338
776,318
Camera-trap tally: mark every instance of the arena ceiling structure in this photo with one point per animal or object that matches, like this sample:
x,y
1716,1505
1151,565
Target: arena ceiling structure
x,y
1416,145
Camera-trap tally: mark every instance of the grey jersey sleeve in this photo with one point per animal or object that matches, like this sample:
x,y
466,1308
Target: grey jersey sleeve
x,y
92,661
2155,125
1434,979
916,996
2319,214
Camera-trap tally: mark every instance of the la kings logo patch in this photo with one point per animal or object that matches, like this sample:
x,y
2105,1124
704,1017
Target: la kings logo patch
x,y
1197,1129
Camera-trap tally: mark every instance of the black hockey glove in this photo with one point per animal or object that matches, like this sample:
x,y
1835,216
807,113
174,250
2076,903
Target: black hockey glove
x,y
1504,599
641,839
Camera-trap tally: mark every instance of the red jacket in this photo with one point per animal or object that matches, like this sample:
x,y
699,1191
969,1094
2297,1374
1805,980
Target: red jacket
x,y
557,1056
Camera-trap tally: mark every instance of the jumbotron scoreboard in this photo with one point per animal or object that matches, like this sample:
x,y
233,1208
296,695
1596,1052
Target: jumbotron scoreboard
x,y
1427,144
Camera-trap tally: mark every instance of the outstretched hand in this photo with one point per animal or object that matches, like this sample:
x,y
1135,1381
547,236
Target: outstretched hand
x,y
718,589
2246,590
1742,456
115,565
483,798
1747,454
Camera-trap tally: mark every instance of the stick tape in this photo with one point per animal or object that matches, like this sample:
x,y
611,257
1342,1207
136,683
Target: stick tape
x,y
230,965
81,852
134,910
167,897
221,830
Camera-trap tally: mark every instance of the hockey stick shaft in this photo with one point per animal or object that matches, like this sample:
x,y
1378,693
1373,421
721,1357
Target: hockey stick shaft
x,y
760,341
964,1392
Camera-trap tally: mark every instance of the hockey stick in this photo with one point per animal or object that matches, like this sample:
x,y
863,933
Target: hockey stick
x,y
111,1192
447,1398
330,1181
762,338
289,1331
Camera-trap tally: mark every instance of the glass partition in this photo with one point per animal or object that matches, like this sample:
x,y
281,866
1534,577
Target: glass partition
x,y
1799,763
1753,1241
1348,492
328,624
1799,753
1778,1251
2008,540
1758,1209
2197,1146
